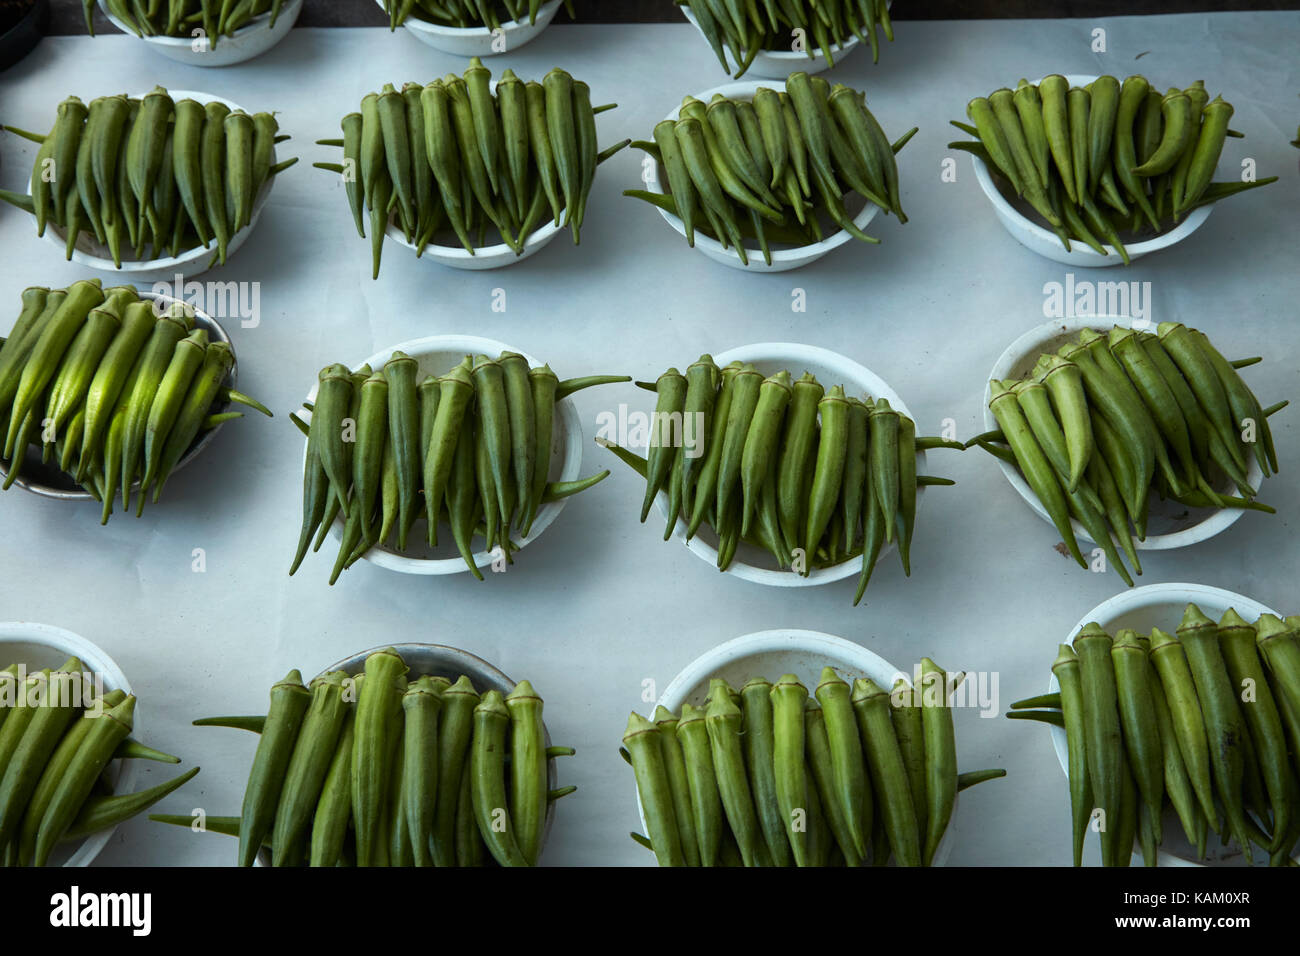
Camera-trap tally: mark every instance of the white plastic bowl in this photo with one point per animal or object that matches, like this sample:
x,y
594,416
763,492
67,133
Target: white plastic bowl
x,y
436,355
44,645
783,260
778,64
485,257
252,39
1162,606
1170,525
830,368
92,254
1043,241
780,651
496,256
48,481
480,41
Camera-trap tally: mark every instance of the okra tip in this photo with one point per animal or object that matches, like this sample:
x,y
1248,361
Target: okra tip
x,y
463,685
721,707
864,689
1092,629
523,691
1232,619
124,713
637,725
1127,638
1064,655
830,676
1270,626
1194,619
1160,638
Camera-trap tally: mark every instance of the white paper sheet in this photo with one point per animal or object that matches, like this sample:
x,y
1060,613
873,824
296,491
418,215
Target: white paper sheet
x,y
600,604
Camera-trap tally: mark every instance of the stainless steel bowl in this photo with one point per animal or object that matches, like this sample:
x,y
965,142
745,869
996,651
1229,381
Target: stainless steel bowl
x,y
439,660
49,481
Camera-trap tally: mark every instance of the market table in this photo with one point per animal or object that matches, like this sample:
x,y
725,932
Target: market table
x,y
599,605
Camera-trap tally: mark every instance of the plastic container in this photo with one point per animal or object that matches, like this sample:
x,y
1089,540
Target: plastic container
x,y
436,355
251,40
830,368
43,645
783,259
1170,524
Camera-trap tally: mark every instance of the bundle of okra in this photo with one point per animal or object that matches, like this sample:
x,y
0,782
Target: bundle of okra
x,y
181,18
476,442
1105,420
770,777
466,14
57,738
113,387
1106,158
388,769
772,167
743,30
1206,721
458,153
813,477
150,173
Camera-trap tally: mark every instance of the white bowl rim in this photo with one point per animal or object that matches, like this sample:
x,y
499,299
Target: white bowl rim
x,y
766,641
1212,525
243,31
566,412
538,238
65,641
188,256
1133,599
794,353
831,646
745,89
784,56
1193,221
507,27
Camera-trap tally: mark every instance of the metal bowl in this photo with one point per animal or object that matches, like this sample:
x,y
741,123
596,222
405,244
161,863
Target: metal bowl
x,y
49,481
441,660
